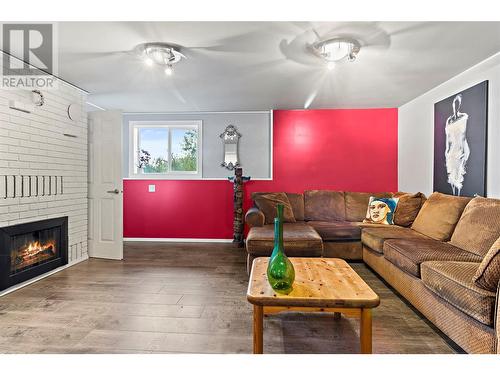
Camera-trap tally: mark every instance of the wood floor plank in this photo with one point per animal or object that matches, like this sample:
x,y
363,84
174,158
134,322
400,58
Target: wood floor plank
x,y
187,298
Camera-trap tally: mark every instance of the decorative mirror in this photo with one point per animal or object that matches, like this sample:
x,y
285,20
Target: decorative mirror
x,y
230,139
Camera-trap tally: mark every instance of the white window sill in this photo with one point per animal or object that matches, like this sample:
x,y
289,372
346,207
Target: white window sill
x,y
165,177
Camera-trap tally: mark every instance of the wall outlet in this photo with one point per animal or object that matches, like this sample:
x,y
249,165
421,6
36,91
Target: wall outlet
x,y
152,188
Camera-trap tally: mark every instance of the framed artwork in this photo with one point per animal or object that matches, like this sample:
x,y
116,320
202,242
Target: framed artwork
x,y
460,141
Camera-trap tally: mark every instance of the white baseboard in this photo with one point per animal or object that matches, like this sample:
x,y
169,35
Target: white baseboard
x,y
140,239
39,277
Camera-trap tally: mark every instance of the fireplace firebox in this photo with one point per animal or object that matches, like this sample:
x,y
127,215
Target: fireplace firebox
x,y
31,249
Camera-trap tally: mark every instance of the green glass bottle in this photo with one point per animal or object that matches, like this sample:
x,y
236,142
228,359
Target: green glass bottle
x,y
280,271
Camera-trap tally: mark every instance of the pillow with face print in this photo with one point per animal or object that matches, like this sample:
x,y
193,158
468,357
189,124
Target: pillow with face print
x,y
381,210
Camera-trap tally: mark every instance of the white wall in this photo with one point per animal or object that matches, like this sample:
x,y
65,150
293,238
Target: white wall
x,y
416,129
254,145
34,144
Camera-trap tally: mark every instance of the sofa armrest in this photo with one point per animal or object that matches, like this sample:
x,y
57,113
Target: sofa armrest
x,y
254,217
497,319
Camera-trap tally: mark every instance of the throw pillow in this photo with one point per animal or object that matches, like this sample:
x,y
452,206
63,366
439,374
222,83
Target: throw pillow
x,y
408,207
324,205
439,215
297,203
267,203
355,204
381,210
488,274
479,226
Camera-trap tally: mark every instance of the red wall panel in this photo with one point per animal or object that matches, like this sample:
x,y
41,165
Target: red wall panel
x,y
178,209
312,149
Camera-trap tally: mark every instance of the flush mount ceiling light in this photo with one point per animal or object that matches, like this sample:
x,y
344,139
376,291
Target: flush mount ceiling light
x,y
336,50
162,54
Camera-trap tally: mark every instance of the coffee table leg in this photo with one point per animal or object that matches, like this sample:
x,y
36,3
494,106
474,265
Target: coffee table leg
x,y
365,331
258,320
337,316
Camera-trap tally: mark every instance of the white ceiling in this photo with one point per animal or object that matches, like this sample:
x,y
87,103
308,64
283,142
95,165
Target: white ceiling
x,y
266,65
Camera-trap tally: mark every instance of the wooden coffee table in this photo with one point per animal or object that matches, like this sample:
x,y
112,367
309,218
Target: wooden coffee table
x,y
321,284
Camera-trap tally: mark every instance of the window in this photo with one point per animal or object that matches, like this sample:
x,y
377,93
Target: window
x,y
165,149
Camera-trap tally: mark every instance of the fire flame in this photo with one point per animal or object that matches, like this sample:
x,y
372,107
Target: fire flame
x,y
34,248
32,253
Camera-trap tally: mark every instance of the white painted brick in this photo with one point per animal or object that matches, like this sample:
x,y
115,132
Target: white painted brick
x,y
34,144
32,214
9,141
10,216
19,118
8,156
18,164
18,134
8,171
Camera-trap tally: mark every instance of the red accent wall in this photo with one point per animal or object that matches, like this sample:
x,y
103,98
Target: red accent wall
x,y
342,149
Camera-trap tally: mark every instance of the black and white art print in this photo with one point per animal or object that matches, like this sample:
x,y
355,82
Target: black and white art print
x,y
460,138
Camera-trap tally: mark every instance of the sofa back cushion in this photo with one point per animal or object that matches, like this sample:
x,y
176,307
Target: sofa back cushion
x,y
488,274
356,204
479,226
297,203
267,203
408,208
439,215
324,205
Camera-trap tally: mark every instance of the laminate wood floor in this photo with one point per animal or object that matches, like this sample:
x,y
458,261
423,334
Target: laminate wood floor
x,y
187,298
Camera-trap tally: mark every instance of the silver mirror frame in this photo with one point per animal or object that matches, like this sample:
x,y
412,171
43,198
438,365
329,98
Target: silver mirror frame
x,y
230,136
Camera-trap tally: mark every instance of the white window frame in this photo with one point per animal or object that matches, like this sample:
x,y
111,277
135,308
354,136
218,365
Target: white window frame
x,y
170,175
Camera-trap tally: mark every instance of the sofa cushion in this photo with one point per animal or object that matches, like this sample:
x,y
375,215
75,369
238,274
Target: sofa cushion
x,y
439,215
299,239
336,230
488,273
479,226
374,238
452,281
408,208
324,205
409,254
356,204
297,203
347,250
267,203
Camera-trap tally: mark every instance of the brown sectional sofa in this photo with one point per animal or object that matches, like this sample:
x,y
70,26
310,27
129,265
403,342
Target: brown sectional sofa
x,y
431,261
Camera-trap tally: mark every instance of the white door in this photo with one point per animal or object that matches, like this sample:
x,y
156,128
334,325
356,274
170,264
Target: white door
x,y
105,185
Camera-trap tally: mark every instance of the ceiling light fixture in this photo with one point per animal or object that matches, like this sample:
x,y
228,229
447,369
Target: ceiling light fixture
x,y
336,50
162,54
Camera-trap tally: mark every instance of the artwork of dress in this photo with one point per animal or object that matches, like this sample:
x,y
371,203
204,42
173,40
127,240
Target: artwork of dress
x,y
460,129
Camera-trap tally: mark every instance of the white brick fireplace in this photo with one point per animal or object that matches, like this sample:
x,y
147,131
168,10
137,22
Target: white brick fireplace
x,y
43,163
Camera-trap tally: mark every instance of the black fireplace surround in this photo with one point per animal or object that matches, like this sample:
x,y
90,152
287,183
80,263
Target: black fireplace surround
x,y
31,249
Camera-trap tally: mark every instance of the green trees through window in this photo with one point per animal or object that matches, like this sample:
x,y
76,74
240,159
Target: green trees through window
x,y
153,153
186,160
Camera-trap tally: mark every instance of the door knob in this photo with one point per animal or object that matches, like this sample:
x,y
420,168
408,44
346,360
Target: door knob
x,y
116,191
